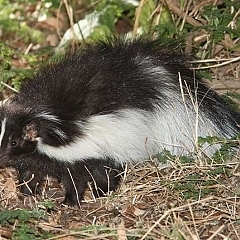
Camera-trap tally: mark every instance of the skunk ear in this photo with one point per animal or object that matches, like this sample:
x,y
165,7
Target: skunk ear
x,y
30,131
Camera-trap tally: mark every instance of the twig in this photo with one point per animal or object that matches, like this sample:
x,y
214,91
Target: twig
x,y
216,65
138,13
166,213
6,85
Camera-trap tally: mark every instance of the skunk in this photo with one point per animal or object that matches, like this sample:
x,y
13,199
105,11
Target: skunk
x,y
113,103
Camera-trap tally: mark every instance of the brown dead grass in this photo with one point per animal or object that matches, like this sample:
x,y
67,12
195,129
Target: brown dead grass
x,y
149,204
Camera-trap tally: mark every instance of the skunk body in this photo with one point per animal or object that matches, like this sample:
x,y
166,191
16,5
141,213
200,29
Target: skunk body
x,y
114,103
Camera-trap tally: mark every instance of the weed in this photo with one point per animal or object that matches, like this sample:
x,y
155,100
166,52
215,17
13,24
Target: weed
x,y
23,221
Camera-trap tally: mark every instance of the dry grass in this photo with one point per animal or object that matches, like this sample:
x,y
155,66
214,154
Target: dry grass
x,y
220,57
178,201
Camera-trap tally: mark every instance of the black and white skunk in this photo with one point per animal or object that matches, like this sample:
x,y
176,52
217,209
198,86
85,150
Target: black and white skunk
x,y
116,102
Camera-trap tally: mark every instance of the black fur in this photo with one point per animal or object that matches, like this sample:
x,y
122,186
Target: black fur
x,y
105,175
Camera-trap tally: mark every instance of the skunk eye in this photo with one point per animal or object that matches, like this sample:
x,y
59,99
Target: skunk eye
x,y
13,143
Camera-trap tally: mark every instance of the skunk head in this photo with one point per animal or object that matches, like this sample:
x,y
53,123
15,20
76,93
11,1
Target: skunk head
x,y
22,128
13,142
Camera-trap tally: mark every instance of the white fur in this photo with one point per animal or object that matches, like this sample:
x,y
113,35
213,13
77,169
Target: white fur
x,y
110,135
61,135
48,116
3,129
132,135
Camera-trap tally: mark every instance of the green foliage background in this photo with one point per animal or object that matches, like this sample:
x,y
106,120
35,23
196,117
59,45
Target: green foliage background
x,y
149,19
